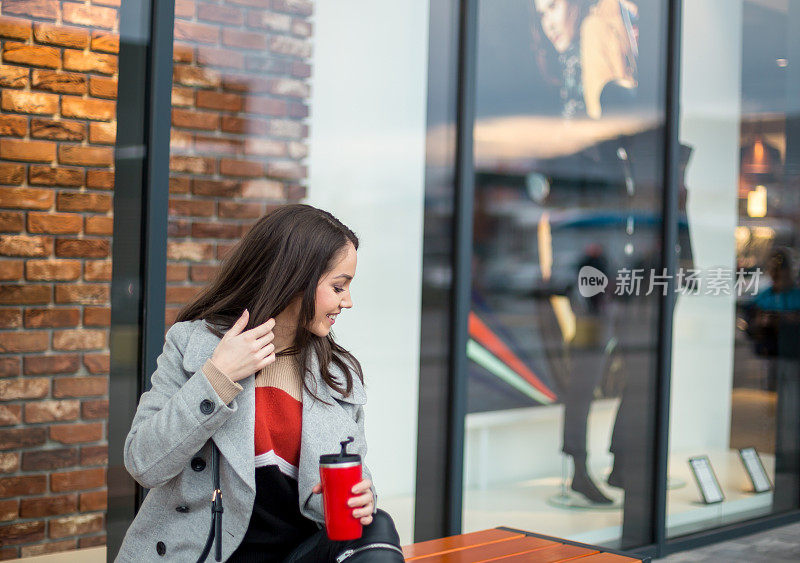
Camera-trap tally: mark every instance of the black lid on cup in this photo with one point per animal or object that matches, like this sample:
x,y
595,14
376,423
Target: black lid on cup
x,y
342,457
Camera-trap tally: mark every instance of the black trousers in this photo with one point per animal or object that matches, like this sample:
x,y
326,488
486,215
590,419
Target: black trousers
x,y
319,549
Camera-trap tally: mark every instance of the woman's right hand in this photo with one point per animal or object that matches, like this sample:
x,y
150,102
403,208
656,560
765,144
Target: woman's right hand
x,y
240,354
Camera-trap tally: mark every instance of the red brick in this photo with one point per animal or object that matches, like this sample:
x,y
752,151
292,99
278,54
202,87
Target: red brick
x,y
91,541
216,230
298,110
241,168
179,185
15,438
302,28
213,56
98,110
100,179
90,16
175,273
196,32
98,225
82,248
207,144
9,510
178,228
269,20
254,3
182,53
15,28
265,106
288,87
56,176
78,480
61,130
85,156
191,207
47,548
268,65
90,62
286,128
217,188
13,76
11,221
194,76
103,133
11,270
80,339
26,198
101,316
286,169
10,415
244,39
72,201
301,70
11,174
25,485
9,462
79,386
52,270
296,7
203,272
94,455
57,223
290,46
48,506
49,411
191,164
22,532
47,460
61,35
220,14
184,9
97,363
260,146
295,193
29,388
25,294
181,294
76,433
95,500
94,409
13,126
60,82
47,9
105,42
75,525
23,245
34,55
191,251
218,101
102,87
31,151
86,294
10,318
97,270
9,366
182,97
49,318
48,365
195,119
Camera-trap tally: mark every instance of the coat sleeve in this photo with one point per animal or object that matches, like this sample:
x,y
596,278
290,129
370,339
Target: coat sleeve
x,y
175,418
365,470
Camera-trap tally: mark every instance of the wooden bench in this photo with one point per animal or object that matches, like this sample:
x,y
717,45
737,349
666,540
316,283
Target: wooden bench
x,y
508,545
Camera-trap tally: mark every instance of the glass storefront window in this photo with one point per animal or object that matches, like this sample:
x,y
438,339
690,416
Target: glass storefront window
x,y
735,368
562,337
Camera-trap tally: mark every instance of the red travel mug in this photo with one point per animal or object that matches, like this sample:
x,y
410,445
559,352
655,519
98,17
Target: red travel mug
x,y
339,473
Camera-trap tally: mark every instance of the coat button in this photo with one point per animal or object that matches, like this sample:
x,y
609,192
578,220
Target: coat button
x,y
198,463
206,407
182,509
161,549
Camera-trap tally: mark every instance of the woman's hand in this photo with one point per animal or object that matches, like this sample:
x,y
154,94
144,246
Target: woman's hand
x,y
240,354
364,504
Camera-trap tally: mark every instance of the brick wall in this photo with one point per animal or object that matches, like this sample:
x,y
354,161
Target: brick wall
x,y
240,86
241,81
58,83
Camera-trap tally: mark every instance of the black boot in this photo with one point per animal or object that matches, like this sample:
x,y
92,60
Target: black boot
x,y
582,483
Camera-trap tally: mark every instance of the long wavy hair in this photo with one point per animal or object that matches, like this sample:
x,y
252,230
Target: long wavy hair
x,y
282,256
544,52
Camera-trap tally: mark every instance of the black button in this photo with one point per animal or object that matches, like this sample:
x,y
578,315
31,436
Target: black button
x,y
161,549
198,463
206,407
182,509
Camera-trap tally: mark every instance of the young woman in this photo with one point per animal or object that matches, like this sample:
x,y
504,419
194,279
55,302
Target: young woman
x,y
251,365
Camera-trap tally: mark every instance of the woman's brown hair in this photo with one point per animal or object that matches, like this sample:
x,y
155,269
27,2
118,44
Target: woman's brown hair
x,y
283,255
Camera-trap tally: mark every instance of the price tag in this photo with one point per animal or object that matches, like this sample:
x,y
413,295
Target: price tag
x,y
706,479
755,470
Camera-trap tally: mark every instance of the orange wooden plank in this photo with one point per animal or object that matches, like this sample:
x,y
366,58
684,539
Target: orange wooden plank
x,y
489,551
552,554
451,543
606,558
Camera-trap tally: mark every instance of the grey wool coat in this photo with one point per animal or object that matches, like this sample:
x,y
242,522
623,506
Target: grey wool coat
x,y
168,450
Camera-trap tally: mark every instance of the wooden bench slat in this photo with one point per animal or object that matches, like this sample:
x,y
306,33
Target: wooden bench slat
x,y
551,554
452,543
489,551
607,558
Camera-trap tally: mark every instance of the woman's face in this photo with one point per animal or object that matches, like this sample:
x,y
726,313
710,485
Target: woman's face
x,y
559,21
333,292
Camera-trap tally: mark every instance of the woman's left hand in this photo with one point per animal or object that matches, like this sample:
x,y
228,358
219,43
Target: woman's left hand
x,y
364,504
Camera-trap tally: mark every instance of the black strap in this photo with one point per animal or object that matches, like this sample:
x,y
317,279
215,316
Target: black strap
x,y
215,533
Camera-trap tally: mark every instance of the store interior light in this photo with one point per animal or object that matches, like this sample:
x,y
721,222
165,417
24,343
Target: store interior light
x,y
757,202
783,63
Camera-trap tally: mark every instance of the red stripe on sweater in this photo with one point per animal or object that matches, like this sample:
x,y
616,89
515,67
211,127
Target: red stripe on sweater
x,y
278,423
